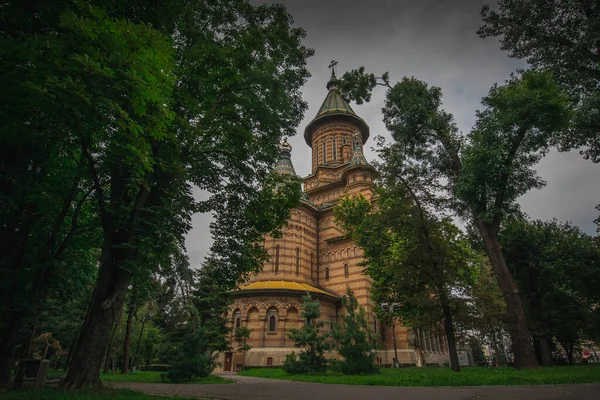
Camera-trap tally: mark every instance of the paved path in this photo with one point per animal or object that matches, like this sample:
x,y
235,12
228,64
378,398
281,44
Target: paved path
x,y
271,389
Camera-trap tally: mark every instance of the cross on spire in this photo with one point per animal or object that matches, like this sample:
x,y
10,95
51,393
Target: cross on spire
x,y
332,65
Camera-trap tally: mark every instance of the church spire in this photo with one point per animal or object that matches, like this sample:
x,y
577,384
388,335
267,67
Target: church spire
x,y
358,158
333,80
284,164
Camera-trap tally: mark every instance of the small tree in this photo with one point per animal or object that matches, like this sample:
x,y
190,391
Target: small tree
x,y
241,336
196,359
356,341
310,360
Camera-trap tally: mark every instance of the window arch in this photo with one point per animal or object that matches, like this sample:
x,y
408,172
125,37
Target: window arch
x,y
272,319
334,149
311,266
346,272
297,260
324,158
277,259
326,273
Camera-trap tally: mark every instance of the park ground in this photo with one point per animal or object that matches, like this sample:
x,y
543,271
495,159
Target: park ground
x,y
418,384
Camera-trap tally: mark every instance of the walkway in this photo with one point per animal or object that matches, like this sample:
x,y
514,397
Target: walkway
x,y
270,389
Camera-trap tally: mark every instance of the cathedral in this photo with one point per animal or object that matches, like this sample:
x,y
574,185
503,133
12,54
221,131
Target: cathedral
x,y
314,255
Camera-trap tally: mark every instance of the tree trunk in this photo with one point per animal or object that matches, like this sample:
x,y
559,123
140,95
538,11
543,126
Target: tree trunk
x,y
7,346
109,346
32,337
450,338
127,341
106,305
515,311
545,351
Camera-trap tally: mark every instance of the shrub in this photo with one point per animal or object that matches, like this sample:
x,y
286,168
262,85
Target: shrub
x,y
195,359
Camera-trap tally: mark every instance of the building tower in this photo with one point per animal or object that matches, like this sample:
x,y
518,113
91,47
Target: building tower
x,y
314,254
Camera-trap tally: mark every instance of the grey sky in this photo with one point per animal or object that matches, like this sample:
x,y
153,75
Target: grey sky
x,y
434,41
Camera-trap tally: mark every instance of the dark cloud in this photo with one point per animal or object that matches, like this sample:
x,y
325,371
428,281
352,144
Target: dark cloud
x,y
434,41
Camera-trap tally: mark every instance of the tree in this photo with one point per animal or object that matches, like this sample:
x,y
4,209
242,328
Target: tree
x,y
311,359
485,171
557,269
414,257
219,131
241,336
560,37
355,340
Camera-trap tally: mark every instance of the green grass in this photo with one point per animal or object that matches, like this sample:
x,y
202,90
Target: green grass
x,y
436,376
103,394
146,377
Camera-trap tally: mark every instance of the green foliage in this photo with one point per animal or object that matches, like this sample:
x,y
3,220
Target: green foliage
x,y
241,336
512,133
196,359
445,377
560,37
557,267
311,359
355,341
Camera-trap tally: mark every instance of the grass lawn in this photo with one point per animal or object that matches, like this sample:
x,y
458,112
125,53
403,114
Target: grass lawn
x,y
103,394
146,376
437,376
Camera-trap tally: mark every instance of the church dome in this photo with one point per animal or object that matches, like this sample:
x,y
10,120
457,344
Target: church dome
x,y
335,108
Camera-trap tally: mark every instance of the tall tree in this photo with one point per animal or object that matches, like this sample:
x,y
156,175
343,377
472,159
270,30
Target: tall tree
x,y
239,69
486,170
414,257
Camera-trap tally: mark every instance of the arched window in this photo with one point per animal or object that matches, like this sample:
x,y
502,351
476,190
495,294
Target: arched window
x,y
374,325
349,253
326,273
297,260
334,149
237,318
272,319
353,178
277,259
324,158
311,266
346,272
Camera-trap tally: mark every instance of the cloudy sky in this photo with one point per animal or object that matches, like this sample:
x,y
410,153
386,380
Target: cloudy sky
x,y
434,41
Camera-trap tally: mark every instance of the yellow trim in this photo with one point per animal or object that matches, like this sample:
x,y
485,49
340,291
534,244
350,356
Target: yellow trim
x,y
281,285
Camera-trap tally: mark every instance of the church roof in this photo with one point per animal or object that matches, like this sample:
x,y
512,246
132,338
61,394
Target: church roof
x,y
282,285
335,107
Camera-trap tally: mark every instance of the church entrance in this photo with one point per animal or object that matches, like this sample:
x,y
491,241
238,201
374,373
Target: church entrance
x,y
228,358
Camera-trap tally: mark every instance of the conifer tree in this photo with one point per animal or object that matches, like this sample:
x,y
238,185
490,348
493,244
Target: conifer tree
x,y
356,341
312,359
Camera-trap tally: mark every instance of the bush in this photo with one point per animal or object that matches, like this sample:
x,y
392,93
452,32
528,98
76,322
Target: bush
x,y
195,359
198,366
